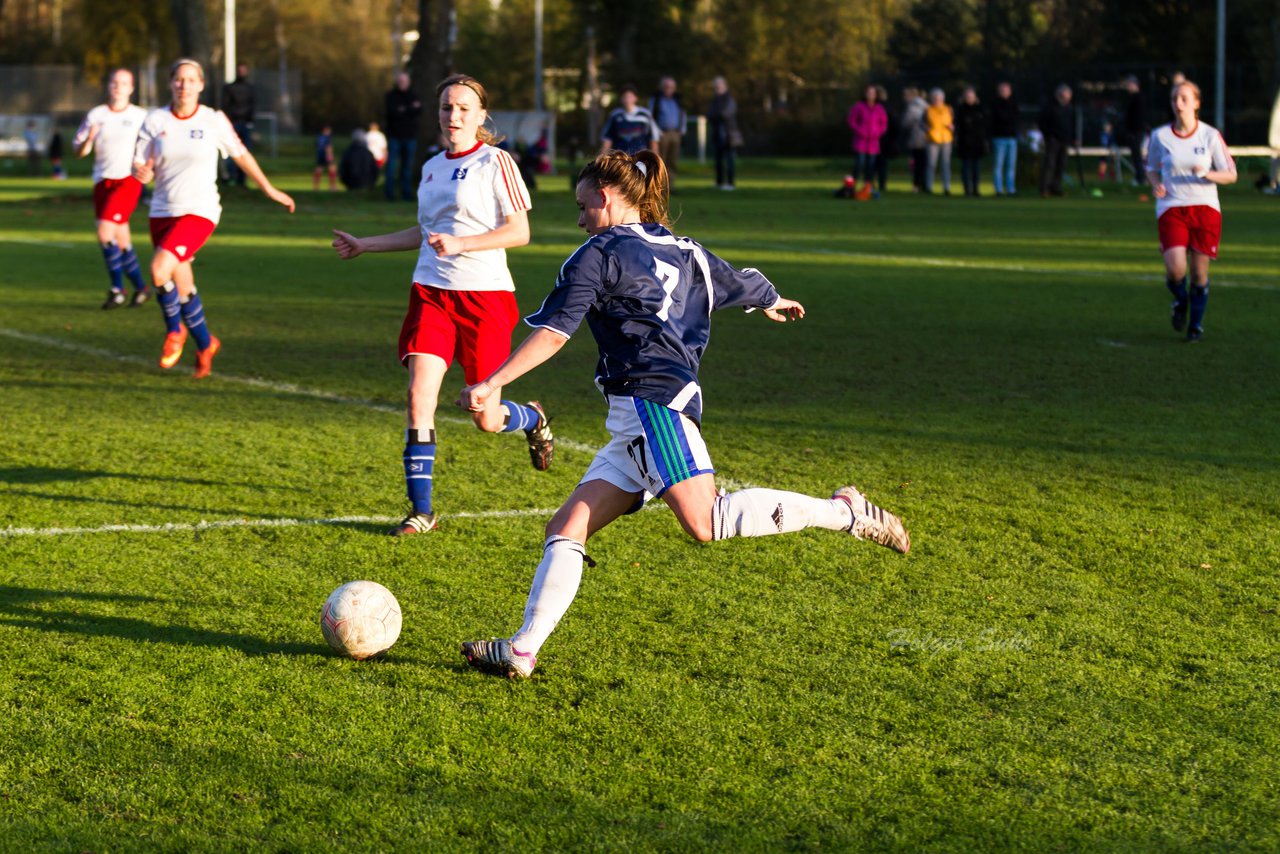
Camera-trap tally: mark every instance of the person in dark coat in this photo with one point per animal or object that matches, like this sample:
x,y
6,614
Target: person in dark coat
x,y
358,170
726,138
1057,123
403,107
971,139
238,104
1135,127
1003,133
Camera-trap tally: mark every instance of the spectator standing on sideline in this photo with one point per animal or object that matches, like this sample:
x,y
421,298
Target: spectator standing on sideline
x,y
1057,123
238,105
940,129
325,161
888,139
1004,140
55,156
971,140
726,137
358,170
1135,128
868,122
668,111
915,138
630,127
376,141
403,108
1273,140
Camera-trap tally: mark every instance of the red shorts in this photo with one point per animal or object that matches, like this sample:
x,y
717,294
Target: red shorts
x,y
1197,227
181,235
473,327
115,198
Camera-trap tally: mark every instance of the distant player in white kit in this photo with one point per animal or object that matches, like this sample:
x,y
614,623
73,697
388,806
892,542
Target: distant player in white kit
x,y
180,146
110,131
1186,162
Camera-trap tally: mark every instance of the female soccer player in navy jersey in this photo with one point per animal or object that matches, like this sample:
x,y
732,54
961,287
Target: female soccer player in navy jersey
x,y
1186,161
647,296
179,146
472,205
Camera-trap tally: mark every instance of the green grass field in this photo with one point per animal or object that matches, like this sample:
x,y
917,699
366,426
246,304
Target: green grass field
x,y
1080,652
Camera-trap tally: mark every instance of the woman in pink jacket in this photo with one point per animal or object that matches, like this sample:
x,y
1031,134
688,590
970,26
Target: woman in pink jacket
x,y
868,121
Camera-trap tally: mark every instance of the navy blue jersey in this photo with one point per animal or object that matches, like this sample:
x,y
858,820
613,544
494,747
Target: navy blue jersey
x,y
647,296
631,132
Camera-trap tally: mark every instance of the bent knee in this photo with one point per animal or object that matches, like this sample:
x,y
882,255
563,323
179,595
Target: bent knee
x,y
489,421
699,529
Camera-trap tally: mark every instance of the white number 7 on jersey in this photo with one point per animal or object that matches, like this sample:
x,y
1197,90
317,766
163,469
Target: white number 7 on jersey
x,y
669,275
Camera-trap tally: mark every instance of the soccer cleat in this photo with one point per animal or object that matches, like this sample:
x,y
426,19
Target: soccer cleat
x,y
139,297
172,350
499,657
874,523
415,523
1178,314
115,299
542,443
204,358
1194,334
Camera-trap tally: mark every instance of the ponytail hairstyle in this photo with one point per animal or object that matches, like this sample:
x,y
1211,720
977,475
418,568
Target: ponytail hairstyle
x,y
482,133
641,179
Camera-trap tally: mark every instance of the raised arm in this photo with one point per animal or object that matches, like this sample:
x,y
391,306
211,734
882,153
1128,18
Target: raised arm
x,y
349,246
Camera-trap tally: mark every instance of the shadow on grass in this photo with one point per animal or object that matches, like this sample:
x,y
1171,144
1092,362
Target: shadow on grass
x,y
16,606
47,474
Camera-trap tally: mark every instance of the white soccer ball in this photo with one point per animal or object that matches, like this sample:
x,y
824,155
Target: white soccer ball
x,y
361,619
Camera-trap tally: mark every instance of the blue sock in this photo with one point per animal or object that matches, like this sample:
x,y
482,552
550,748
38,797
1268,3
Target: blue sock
x,y
1178,289
519,417
167,296
193,317
112,255
129,262
419,466
1199,299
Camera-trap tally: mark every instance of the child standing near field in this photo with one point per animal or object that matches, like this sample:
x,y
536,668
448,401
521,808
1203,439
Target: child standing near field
x,y
647,296
324,160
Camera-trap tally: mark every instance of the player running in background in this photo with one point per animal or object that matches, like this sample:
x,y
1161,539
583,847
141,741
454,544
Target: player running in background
x,y
472,206
630,127
179,147
110,131
1186,161
647,296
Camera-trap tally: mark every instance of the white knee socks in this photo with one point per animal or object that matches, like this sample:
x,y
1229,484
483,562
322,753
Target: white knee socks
x,y
762,512
554,586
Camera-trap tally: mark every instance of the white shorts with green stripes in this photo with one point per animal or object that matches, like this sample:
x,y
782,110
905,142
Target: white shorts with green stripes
x,y
651,450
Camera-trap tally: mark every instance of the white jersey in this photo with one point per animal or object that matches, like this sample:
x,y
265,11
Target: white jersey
x,y
1176,157
117,135
465,194
186,152
376,140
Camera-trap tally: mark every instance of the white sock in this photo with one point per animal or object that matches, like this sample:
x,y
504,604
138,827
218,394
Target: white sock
x,y
762,512
554,586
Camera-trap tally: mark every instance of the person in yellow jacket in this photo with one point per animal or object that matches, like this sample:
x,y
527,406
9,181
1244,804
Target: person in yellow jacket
x,y
940,128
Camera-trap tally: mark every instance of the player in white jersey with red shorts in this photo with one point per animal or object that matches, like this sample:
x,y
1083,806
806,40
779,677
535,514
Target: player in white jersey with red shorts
x,y
472,206
110,131
1186,161
179,147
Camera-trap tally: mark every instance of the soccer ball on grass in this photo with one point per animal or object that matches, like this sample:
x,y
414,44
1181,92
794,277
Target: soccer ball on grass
x,y
360,619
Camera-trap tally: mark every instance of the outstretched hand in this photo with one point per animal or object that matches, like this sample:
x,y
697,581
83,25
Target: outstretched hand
x,y
784,310
348,245
280,198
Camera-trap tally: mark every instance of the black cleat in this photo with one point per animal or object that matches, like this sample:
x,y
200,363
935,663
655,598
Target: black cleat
x,y
1194,334
139,297
1178,315
542,442
115,299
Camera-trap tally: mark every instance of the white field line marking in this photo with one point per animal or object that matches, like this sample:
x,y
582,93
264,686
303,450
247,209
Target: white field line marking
x,y
256,382
283,388
171,527
31,241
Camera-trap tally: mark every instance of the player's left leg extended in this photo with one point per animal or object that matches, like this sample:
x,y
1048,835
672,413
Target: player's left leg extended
x,y
594,504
